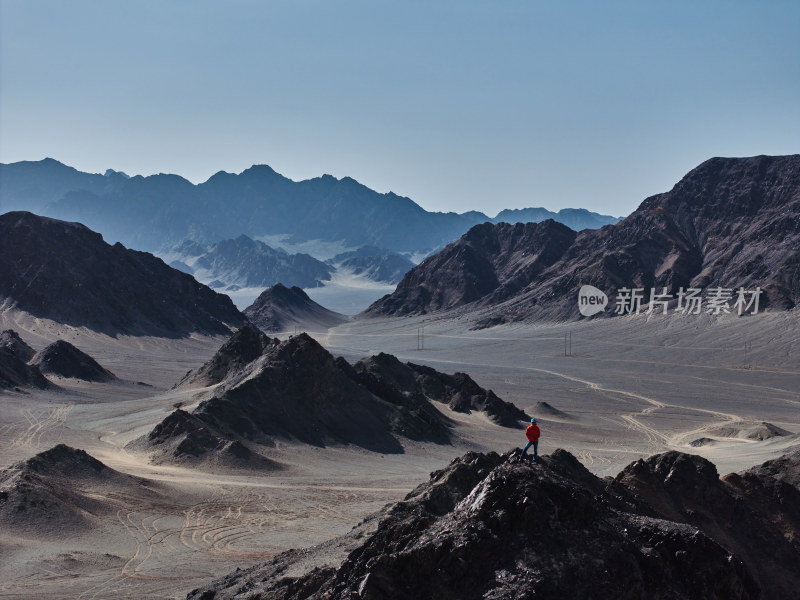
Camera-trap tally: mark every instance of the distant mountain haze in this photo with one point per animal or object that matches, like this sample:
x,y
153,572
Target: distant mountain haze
x,y
157,212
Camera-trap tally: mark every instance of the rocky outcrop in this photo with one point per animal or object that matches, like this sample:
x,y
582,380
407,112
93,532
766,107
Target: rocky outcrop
x,y
730,223
63,359
491,527
754,514
67,273
280,309
186,439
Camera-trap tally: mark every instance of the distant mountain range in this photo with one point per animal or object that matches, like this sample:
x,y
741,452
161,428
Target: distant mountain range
x,y
156,213
66,272
729,224
243,262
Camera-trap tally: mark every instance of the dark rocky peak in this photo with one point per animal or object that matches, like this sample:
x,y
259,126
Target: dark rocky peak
x,y
301,352
16,374
242,348
64,461
386,376
733,187
64,359
13,344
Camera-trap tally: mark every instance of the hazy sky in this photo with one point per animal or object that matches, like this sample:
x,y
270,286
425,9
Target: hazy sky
x,y
459,105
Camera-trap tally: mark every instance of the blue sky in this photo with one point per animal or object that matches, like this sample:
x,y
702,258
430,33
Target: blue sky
x,y
458,105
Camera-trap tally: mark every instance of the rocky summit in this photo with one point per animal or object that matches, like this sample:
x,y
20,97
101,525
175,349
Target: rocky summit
x,y
488,526
731,223
66,272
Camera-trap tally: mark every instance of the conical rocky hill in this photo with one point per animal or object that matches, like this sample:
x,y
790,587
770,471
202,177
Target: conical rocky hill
x,y
67,273
15,372
64,359
730,223
59,491
491,527
279,308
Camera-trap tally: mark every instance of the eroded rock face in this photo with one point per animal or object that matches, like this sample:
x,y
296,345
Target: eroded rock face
x,y
730,223
491,527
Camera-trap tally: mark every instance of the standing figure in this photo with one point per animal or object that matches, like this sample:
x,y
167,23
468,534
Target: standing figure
x,y
532,433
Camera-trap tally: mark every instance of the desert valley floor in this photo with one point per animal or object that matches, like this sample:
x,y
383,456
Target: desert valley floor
x,y
609,391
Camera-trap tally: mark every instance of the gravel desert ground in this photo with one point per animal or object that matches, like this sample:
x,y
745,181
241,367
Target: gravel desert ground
x,y
609,391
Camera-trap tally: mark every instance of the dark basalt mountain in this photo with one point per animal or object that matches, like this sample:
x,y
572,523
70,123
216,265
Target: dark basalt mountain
x,y
58,491
491,527
157,212
280,308
249,263
488,265
64,359
730,223
374,263
67,273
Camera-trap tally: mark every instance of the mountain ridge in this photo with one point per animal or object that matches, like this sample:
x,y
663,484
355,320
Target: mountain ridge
x,y
727,224
259,201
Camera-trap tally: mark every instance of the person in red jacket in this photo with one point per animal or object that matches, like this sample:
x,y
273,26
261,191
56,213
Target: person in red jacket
x,y
532,433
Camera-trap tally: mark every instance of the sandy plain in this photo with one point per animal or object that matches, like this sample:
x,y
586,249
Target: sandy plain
x,y
620,389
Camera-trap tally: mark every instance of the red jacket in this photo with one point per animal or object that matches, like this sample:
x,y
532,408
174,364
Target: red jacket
x,y
532,432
